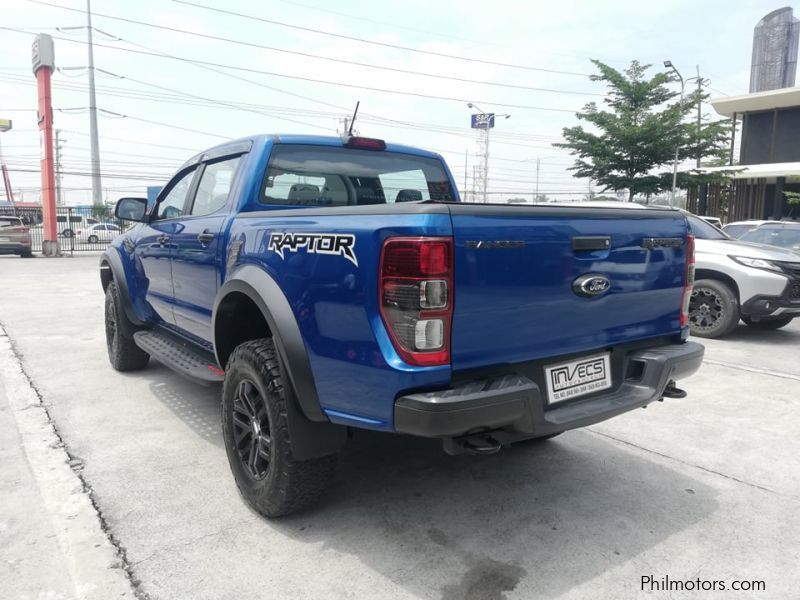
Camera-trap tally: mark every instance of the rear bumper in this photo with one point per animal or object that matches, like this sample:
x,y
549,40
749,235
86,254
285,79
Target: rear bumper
x,y
516,404
14,247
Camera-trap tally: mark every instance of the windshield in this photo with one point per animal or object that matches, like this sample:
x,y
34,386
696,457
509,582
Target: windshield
x,y
775,235
705,231
331,176
736,231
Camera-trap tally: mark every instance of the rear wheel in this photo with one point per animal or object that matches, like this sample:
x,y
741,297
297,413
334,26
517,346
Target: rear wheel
x,y
257,436
68,233
26,253
123,353
768,324
713,309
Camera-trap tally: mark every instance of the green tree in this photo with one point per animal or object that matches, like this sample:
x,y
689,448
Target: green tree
x,y
793,200
631,140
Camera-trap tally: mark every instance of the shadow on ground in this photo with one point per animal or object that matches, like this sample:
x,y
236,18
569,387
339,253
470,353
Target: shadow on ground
x,y
537,519
745,333
197,406
545,516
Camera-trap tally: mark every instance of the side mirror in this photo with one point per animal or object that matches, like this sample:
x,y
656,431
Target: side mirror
x,y
131,209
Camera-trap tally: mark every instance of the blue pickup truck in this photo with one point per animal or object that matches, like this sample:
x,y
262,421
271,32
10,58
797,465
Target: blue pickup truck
x,y
333,284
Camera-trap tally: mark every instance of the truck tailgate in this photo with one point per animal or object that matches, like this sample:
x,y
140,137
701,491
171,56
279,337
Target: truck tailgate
x,y
515,267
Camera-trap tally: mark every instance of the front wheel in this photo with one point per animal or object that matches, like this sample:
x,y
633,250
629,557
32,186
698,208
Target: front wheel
x,y
258,439
93,239
713,309
768,324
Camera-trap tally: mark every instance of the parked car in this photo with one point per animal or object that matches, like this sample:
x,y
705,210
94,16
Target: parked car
x,y
67,225
736,279
336,283
738,228
783,234
15,237
101,232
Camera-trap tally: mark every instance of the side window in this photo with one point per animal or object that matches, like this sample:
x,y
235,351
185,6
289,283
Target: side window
x,y
172,205
214,187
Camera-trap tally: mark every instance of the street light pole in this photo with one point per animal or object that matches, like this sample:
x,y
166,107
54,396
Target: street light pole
x,y
668,64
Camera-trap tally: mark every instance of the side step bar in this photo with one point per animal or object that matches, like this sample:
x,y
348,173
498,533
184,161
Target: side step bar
x,y
180,356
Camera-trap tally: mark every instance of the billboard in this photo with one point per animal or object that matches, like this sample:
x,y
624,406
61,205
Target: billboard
x,y
483,121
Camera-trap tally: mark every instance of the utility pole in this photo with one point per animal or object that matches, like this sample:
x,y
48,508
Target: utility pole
x,y
5,125
538,164
668,64
699,113
57,148
97,191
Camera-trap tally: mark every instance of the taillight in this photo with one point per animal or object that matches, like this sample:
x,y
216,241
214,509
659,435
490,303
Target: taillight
x,y
688,281
416,297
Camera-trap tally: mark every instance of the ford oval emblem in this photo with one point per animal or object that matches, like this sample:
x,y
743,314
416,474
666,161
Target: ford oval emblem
x,y
591,285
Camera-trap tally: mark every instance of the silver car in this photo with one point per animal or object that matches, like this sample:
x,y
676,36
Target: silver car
x,y
736,280
784,234
15,238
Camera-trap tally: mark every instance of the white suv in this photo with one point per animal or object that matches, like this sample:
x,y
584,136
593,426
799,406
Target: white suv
x,y
740,280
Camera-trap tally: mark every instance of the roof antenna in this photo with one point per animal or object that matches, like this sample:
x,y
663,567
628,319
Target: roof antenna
x,y
353,120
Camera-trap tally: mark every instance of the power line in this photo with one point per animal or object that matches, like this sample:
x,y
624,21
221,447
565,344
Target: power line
x,y
322,57
386,23
382,44
216,103
311,79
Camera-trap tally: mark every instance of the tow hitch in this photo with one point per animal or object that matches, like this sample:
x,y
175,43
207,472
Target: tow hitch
x,y
475,444
673,391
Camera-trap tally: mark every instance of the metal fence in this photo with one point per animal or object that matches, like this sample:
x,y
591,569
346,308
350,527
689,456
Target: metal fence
x,y
79,229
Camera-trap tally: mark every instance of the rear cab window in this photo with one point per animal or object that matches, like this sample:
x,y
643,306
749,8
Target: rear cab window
x,y
307,175
705,231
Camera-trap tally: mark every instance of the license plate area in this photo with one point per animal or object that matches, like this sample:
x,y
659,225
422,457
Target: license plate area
x,y
578,377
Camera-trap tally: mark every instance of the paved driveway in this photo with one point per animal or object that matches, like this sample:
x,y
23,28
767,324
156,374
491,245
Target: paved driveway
x,y
707,487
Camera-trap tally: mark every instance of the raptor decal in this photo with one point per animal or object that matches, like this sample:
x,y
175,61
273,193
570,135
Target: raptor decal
x,y
336,244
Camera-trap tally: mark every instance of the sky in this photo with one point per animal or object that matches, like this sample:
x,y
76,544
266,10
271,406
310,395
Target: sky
x,y
275,74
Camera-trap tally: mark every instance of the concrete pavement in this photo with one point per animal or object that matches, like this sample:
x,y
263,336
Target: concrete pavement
x,y
705,487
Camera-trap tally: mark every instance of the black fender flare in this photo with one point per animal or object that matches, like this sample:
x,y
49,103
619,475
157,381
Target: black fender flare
x,y
313,435
111,260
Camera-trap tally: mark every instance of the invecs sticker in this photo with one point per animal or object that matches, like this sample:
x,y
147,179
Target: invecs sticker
x,y
336,244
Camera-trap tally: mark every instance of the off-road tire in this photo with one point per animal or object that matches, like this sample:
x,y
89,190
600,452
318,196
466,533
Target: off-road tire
x,y
288,485
768,324
123,353
720,298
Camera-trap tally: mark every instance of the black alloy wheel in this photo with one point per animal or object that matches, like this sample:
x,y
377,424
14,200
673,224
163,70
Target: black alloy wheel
x,y
713,309
705,310
251,430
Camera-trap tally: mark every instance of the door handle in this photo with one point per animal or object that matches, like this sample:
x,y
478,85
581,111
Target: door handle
x,y
205,237
162,240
